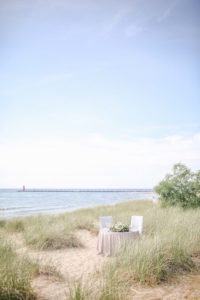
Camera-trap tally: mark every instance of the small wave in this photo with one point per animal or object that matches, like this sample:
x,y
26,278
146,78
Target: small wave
x,y
11,208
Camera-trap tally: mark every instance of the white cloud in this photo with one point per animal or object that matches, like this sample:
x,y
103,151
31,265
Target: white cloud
x,y
114,21
94,161
168,10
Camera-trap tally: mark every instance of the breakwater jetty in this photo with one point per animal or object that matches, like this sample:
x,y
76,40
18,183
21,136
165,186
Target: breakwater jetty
x,y
37,190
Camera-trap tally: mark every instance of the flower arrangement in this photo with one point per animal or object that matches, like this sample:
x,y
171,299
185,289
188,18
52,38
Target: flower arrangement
x,y
119,227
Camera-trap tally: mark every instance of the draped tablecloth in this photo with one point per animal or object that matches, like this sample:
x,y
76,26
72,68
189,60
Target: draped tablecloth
x,y
108,242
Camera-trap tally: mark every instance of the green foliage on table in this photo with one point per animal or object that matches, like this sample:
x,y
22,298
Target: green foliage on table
x,y
119,227
182,188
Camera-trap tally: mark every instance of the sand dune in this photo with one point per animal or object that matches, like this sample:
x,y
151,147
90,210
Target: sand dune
x,y
82,262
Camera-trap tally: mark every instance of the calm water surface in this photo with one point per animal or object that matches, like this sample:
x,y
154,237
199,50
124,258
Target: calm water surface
x,y
14,203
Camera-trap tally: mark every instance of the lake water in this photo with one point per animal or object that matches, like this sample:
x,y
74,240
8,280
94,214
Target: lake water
x,y
14,203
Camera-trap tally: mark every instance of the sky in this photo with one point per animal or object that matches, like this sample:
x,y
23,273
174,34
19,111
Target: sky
x,y
98,93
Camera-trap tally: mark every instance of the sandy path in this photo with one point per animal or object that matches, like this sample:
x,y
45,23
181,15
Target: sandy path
x,y
74,263
182,287
71,262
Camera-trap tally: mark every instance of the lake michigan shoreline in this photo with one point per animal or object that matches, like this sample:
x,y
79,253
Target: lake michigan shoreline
x,y
18,204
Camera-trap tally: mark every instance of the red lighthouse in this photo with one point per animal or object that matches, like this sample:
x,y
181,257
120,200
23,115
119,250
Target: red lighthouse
x,y
23,189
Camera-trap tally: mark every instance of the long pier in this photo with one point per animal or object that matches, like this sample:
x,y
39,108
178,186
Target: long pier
x,y
86,190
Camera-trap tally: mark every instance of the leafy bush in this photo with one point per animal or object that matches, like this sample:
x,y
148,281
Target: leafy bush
x,y
182,187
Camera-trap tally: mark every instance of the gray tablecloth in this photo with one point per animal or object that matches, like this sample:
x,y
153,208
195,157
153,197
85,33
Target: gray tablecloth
x,y
108,242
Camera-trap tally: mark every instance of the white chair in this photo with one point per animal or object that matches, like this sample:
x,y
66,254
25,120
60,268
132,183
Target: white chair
x,y
137,224
105,222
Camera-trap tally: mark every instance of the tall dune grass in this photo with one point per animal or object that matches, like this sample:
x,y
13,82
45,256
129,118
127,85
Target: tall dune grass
x,y
170,241
50,233
45,232
56,232
15,274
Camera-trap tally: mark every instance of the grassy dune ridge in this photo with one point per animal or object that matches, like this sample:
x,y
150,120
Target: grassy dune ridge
x,y
170,242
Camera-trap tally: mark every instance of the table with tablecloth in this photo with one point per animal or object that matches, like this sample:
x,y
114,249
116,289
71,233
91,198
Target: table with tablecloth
x,y
108,242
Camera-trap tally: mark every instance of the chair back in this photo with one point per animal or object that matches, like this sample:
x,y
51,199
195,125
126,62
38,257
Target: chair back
x,y
105,222
137,224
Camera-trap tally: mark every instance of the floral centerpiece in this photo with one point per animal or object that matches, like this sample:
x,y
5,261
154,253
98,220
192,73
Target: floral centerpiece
x,y
119,227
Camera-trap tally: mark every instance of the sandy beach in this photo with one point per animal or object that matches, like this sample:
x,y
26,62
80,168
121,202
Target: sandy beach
x,y
83,262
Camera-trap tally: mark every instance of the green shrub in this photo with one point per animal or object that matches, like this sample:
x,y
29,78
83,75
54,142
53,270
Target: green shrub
x,y
182,188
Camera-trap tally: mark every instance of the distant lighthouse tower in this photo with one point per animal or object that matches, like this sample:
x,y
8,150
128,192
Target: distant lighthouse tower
x,y
23,189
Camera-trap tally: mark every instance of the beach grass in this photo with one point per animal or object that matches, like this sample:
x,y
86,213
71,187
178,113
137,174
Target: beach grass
x,y
168,246
15,274
45,232
50,233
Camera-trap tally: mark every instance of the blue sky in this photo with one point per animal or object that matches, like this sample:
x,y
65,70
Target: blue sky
x,y
104,71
